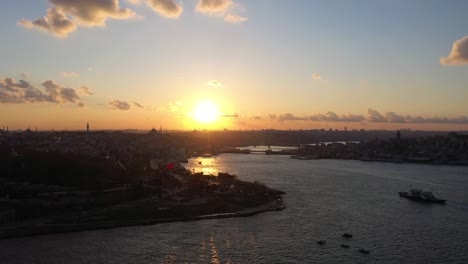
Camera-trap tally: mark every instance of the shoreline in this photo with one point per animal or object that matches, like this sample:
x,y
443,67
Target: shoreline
x,y
45,229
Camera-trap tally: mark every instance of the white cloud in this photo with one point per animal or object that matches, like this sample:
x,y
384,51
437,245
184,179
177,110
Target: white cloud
x,y
214,83
233,115
172,107
222,8
83,90
54,22
69,74
319,78
213,6
24,75
167,8
93,13
458,54
65,15
235,19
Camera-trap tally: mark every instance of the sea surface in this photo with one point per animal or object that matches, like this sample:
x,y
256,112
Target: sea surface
x,y
324,198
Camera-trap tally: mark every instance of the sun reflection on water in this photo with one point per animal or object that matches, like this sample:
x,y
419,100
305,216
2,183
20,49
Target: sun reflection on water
x,y
207,165
214,251
202,254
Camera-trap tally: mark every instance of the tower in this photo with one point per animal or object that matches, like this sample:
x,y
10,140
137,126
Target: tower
x,y
87,127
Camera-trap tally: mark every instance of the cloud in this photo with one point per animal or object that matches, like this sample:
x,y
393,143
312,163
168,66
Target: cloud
x,y
120,105
234,115
438,120
54,22
214,83
134,2
213,6
22,91
319,78
392,117
167,8
235,19
69,74
375,116
329,116
316,77
24,75
222,8
60,93
65,15
80,104
137,104
93,13
459,53
83,90
172,107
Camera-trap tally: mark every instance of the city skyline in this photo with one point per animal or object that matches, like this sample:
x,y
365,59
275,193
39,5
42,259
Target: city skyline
x,y
234,64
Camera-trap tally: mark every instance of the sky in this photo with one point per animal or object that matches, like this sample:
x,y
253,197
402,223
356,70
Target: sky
x,y
263,64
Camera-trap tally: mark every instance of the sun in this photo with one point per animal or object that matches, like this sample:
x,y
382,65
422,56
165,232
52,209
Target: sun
x,y
206,112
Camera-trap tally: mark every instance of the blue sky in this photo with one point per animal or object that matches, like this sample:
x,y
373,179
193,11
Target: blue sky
x,y
383,55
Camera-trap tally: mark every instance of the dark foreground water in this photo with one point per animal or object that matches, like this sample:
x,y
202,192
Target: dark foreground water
x,y
324,199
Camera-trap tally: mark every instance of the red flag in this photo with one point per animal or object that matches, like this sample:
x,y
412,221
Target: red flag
x,y
170,166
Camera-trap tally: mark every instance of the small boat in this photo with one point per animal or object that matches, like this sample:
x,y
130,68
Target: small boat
x,y
421,196
321,242
347,235
364,251
300,157
344,246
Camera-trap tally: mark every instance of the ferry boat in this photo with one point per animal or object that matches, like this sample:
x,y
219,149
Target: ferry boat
x,y
347,235
364,251
421,196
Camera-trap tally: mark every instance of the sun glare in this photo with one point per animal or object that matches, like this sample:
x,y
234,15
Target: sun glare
x,y
206,112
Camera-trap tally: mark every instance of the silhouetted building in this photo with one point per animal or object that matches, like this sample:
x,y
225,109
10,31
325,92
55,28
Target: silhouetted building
x,y
153,132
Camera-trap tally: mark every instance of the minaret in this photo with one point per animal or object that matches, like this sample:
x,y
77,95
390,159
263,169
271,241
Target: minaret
x,y
87,127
